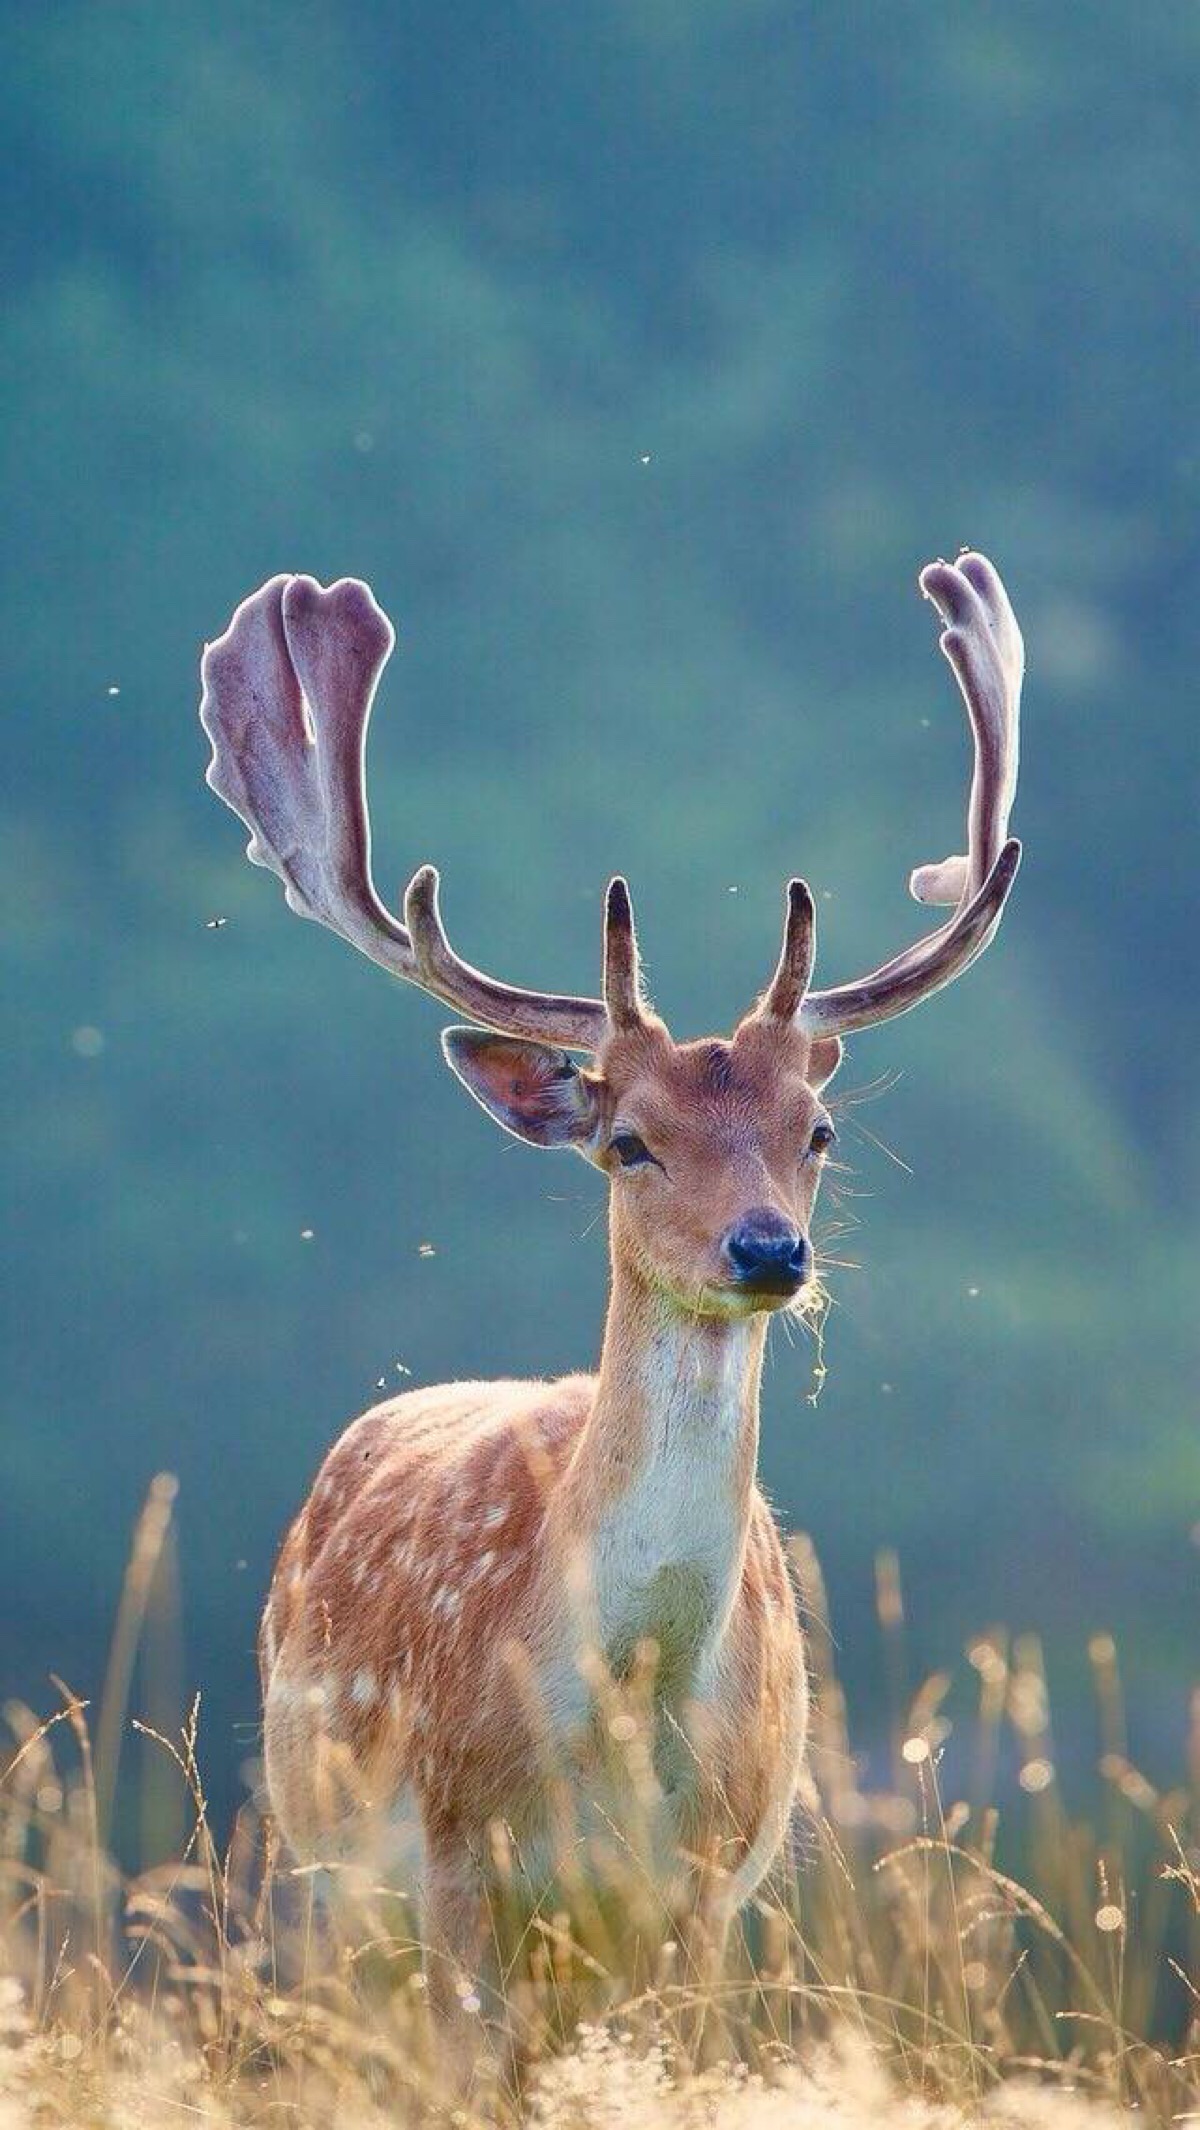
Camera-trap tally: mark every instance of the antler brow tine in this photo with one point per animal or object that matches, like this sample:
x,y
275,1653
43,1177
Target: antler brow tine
x,y
622,963
786,991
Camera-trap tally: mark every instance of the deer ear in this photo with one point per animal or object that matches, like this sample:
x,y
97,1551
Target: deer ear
x,y
532,1089
823,1061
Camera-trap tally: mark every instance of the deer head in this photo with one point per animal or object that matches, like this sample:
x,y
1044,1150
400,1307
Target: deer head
x,y
714,1149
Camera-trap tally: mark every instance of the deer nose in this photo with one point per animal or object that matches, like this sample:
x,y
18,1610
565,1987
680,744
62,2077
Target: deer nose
x,y
767,1253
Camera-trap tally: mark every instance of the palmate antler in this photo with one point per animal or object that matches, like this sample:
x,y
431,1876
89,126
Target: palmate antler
x,y
983,645
287,698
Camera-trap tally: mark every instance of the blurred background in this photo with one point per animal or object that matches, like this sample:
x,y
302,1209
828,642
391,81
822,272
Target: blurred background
x,y
638,354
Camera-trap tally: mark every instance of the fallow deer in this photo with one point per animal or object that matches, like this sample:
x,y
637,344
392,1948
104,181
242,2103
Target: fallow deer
x,y
475,1559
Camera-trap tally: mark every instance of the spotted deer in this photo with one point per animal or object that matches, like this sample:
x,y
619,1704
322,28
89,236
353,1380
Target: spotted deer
x,y
478,1563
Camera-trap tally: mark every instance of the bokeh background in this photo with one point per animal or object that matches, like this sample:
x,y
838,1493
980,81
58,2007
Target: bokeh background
x,y
638,353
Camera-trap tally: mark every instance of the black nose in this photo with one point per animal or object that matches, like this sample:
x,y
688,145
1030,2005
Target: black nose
x,y
768,1254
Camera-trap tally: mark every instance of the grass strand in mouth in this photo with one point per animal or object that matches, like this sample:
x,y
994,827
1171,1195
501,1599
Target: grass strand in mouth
x,y
948,1943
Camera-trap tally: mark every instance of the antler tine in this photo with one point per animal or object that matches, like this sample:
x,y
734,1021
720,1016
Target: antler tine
x,y
622,963
287,699
785,993
540,1016
904,982
982,643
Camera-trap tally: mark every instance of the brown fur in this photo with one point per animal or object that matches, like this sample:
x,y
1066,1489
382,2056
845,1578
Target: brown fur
x,y
431,1604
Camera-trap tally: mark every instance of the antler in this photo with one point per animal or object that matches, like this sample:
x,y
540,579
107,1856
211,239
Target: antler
x,y
287,700
288,691
983,645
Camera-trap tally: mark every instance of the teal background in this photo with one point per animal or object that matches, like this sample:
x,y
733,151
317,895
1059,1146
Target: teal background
x,y
411,292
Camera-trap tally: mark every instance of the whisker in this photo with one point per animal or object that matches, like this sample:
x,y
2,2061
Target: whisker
x,y
870,1090
866,1133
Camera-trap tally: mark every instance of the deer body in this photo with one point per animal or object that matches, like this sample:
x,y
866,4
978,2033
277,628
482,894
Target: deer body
x,y
416,1670
488,1577
420,1666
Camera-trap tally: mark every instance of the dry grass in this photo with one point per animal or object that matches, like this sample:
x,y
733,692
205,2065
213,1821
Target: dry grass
x,y
895,1973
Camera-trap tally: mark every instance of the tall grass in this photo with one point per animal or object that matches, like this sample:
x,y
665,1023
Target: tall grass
x,y
895,1970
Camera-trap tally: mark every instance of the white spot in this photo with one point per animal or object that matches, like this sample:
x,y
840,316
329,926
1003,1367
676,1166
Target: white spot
x,y
493,1518
365,1688
484,1563
87,1042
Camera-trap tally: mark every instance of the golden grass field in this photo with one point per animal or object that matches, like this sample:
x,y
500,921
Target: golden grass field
x,y
894,1974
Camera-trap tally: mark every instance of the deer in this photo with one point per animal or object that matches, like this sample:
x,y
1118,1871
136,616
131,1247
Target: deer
x,y
479,1565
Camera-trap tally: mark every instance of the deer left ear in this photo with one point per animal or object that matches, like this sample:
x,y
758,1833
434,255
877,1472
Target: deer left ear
x,y
823,1061
532,1089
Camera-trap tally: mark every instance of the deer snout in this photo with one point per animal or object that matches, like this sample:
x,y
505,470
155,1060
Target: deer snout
x,y
766,1253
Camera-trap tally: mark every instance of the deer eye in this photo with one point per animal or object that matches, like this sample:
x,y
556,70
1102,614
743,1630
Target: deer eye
x,y
823,1137
631,1152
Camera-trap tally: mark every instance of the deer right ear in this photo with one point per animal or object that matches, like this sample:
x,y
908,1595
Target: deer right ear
x,y
532,1089
823,1061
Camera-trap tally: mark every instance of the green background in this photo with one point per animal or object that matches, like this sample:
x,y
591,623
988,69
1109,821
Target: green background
x,y
411,292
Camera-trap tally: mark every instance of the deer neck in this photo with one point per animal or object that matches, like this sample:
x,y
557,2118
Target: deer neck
x,y
658,1497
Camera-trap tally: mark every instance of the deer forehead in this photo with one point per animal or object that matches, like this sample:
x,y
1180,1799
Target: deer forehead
x,y
712,1089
